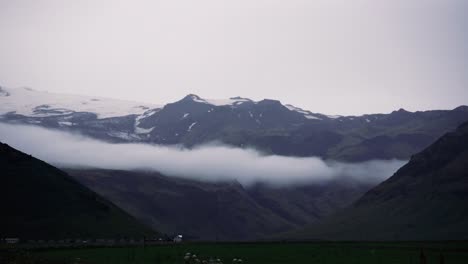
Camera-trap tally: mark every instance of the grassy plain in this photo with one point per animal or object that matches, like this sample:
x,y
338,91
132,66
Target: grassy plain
x,y
260,253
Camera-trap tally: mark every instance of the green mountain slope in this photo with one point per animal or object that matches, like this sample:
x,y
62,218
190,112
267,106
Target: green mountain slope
x,y
39,201
424,200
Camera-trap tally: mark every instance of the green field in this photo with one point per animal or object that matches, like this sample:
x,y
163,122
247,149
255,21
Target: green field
x,y
259,253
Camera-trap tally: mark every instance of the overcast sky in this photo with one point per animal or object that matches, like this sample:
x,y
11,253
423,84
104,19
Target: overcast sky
x,y
334,57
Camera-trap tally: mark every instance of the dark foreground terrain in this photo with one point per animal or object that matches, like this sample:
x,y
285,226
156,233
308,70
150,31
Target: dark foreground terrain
x,y
38,200
424,200
258,253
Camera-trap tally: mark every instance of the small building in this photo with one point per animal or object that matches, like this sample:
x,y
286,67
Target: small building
x,y
178,239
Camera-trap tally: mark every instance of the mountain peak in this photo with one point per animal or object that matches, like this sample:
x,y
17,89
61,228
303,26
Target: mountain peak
x,y
193,98
240,98
269,102
401,111
233,101
462,108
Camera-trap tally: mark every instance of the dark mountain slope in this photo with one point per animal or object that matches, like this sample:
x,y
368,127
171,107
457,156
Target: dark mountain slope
x,y
274,128
39,201
399,134
222,211
197,210
426,199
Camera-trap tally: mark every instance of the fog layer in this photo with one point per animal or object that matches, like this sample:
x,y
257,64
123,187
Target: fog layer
x,y
211,162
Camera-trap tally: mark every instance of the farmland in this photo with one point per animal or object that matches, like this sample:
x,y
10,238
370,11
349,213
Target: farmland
x,y
258,253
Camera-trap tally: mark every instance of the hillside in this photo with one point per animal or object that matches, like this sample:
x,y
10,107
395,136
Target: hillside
x,y
39,201
218,211
424,200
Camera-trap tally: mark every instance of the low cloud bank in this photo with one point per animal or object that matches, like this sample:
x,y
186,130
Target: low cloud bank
x,y
208,163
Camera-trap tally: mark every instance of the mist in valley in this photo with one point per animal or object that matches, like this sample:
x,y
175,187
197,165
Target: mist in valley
x,y
212,162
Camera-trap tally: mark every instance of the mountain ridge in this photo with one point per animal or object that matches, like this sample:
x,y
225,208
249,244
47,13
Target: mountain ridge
x,y
423,200
4,91
267,125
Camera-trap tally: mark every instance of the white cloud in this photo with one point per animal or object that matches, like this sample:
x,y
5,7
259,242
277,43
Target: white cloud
x,y
207,163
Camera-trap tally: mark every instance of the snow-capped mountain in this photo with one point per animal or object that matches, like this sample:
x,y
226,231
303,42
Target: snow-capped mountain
x,y
267,124
32,103
233,101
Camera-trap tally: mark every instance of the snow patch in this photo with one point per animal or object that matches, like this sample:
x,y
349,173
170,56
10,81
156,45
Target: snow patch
x,y
64,123
233,101
307,114
123,135
296,109
140,130
25,101
312,117
191,126
147,114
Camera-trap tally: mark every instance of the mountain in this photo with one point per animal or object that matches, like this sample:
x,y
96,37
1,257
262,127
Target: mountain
x,y
267,125
218,211
39,201
28,102
424,200
230,211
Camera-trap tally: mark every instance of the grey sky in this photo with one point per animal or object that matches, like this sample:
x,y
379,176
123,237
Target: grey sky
x,y
334,57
